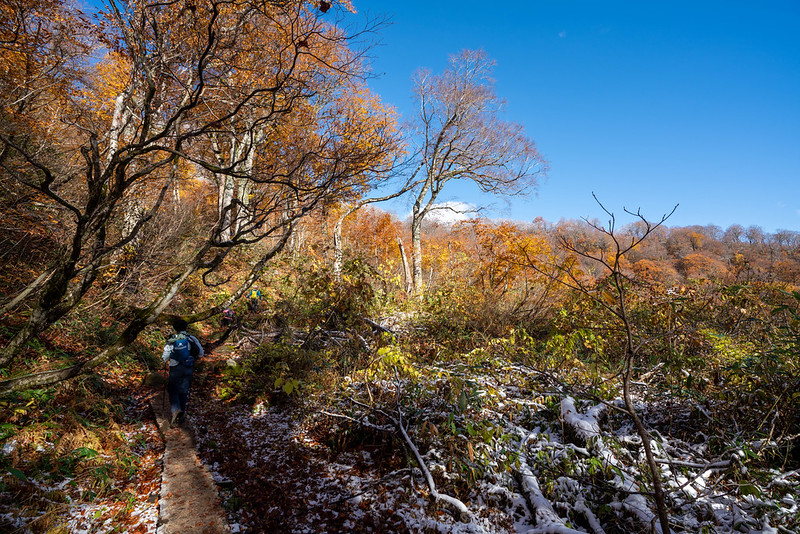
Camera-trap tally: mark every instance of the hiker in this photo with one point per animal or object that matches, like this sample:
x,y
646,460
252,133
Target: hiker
x,y
180,351
254,299
228,318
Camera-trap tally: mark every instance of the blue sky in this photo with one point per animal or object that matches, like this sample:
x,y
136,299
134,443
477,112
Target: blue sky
x,y
646,104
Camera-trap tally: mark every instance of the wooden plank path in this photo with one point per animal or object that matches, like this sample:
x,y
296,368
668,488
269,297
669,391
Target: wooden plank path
x,y
189,500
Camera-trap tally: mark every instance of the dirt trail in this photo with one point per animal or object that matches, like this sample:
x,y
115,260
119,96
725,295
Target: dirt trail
x,y
189,501
279,477
276,476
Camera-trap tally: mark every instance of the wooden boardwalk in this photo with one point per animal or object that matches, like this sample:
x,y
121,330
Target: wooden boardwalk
x,y
189,501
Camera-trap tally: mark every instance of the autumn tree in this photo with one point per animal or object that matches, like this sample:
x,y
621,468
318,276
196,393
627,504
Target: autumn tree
x,y
611,292
393,164
372,234
43,46
192,72
698,265
495,264
650,271
733,235
461,135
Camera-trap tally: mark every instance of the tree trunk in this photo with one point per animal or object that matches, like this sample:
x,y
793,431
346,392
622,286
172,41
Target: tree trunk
x,y
227,188
176,188
416,256
406,270
49,306
133,214
56,299
243,213
655,472
22,337
27,291
225,207
338,253
119,122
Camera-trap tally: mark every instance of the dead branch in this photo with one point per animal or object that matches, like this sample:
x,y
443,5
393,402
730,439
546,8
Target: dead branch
x,y
459,509
545,518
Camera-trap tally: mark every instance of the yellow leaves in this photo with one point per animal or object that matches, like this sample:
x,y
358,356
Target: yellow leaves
x,y
503,252
699,265
696,240
391,360
360,123
288,385
112,75
608,298
373,233
40,66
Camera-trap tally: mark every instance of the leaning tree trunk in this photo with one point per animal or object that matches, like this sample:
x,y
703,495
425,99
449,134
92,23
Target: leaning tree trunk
x,y
406,269
655,472
143,319
57,297
630,356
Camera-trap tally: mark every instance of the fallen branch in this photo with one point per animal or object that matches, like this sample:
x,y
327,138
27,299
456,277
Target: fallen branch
x,y
370,485
587,428
594,523
378,327
464,515
544,516
362,422
708,466
461,511
650,373
781,480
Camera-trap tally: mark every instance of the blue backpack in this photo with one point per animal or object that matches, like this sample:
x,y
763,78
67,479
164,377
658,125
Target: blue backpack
x,y
183,350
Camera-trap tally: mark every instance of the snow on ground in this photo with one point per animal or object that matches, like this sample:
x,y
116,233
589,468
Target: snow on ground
x,y
93,500
580,467
547,462
523,455
282,477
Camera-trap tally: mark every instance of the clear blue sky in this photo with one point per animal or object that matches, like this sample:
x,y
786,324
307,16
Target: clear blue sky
x,y
647,104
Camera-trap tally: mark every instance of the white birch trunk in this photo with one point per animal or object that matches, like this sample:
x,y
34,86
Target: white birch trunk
x,y
243,214
118,122
227,188
406,271
416,254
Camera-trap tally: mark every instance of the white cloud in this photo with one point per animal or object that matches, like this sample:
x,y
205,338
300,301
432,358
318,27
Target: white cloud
x,y
562,34
450,212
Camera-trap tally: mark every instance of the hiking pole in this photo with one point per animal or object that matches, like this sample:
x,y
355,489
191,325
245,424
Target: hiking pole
x,y
166,387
